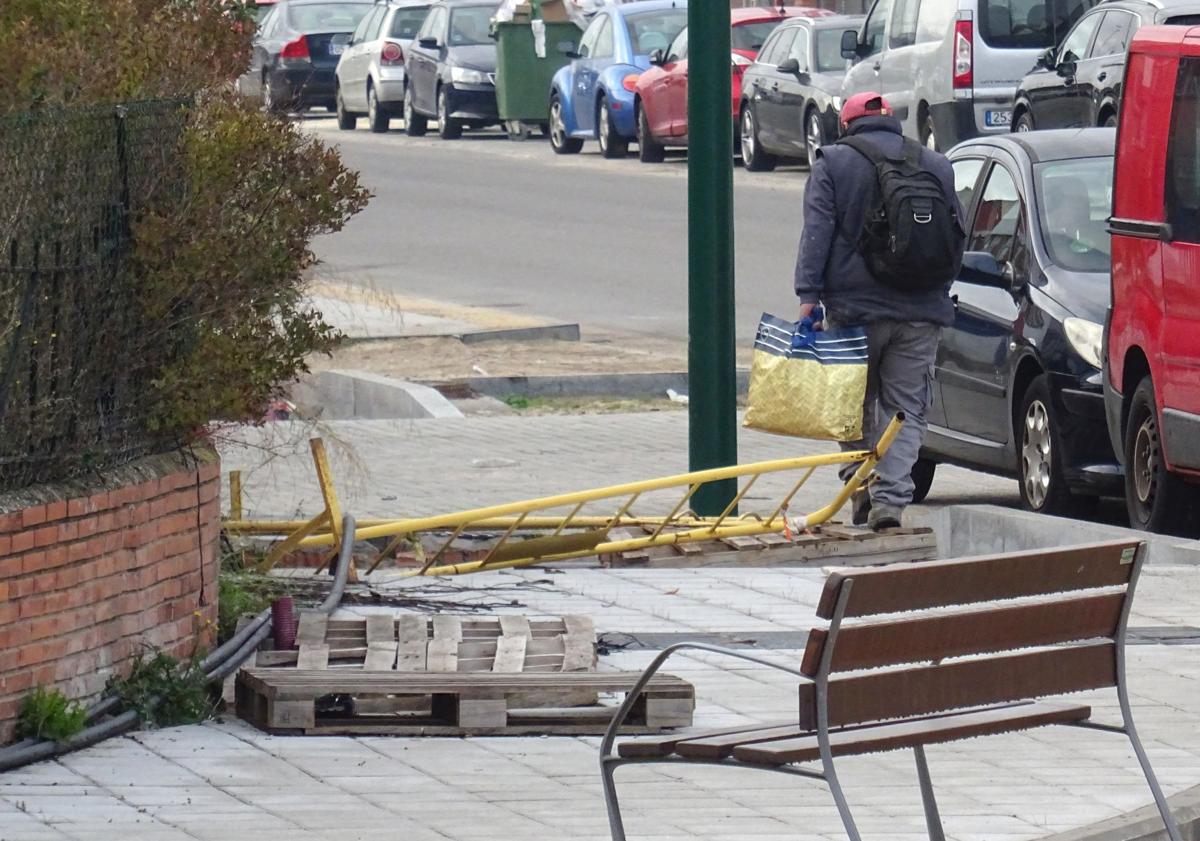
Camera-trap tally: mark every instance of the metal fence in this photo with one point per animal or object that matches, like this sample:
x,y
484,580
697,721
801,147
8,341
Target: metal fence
x,y
73,375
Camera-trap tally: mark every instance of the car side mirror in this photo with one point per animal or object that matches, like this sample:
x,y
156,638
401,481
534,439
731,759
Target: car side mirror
x,y
983,269
429,43
567,48
657,58
1065,68
850,44
1047,59
789,67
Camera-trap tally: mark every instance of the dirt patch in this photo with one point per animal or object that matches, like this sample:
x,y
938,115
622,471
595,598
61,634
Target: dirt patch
x,y
439,358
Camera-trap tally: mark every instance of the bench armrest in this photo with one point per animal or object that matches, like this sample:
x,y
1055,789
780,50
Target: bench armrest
x,y
623,711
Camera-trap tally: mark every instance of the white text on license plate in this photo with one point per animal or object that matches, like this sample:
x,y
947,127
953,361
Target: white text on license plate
x,y
997,118
338,49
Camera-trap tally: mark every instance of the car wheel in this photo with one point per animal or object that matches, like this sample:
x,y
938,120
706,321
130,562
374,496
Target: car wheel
x,y
415,124
814,134
754,158
377,118
1024,122
1039,456
1156,500
448,127
929,135
345,120
1110,121
649,151
271,101
922,477
612,145
560,142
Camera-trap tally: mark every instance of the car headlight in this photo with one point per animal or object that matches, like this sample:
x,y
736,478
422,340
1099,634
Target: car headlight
x,y
467,76
837,104
1086,337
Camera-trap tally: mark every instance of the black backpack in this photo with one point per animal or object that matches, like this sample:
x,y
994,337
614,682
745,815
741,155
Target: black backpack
x,y
911,239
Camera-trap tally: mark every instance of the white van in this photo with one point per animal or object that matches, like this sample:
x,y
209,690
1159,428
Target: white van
x,y
950,68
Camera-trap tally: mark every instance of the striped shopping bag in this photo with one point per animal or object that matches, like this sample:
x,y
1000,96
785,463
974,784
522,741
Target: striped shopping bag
x,y
807,384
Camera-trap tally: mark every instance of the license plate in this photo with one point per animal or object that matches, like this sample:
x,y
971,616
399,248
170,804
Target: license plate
x,y
338,49
997,118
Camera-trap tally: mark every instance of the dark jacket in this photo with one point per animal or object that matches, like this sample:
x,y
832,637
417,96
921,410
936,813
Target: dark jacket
x,y
841,189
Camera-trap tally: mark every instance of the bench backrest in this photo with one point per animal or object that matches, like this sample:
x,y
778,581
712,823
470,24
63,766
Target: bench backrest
x,y
1017,610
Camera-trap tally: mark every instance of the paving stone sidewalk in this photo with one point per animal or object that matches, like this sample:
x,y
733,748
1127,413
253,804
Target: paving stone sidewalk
x,y
228,781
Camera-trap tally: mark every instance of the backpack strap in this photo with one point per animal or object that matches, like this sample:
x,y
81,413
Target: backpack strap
x,y
865,148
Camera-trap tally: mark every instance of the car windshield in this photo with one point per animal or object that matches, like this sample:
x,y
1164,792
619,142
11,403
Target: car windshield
x,y
829,51
650,31
1075,203
469,26
751,36
327,17
1028,24
407,21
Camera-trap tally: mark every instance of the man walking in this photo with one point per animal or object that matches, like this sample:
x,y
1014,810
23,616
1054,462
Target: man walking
x,y
882,241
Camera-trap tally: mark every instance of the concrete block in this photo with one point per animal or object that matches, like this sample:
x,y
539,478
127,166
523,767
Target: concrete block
x,y
345,394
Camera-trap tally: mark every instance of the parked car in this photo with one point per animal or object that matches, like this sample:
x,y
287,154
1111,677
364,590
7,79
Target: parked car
x,y
370,76
260,9
451,69
294,52
660,101
1079,84
1152,370
950,67
592,97
1016,386
791,96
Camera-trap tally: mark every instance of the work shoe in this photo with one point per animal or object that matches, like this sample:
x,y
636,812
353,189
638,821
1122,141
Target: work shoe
x,y
860,507
884,517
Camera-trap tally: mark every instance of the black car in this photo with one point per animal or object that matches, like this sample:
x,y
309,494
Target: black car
x,y
1016,388
790,95
452,70
1079,83
295,53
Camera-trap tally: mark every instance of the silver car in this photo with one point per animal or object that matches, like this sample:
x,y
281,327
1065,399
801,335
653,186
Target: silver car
x,y
950,68
370,75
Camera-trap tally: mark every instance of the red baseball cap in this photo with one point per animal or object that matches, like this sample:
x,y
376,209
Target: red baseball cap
x,y
867,104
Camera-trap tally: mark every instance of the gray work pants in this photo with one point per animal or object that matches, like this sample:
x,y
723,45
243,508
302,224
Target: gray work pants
x,y
900,357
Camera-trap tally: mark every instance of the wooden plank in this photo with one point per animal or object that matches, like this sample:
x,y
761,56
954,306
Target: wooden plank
x,y
941,636
741,543
442,655
962,684
942,583
381,656
579,624
907,734
515,626
665,746
447,628
380,628
771,539
290,714
510,654
312,657
311,628
805,553
412,636
848,532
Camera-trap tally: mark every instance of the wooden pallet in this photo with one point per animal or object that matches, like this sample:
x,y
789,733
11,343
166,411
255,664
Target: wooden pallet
x,y
830,543
420,643
331,702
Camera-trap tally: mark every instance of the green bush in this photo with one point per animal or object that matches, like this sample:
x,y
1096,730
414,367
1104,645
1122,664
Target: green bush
x,y
166,691
48,714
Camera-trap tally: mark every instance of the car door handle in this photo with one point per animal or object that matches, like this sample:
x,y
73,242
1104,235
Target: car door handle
x,y
876,66
775,86
1102,77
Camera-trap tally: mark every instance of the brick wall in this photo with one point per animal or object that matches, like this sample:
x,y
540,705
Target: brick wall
x,y
91,572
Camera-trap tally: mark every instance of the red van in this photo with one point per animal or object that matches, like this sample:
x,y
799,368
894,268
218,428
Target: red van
x,y
1152,360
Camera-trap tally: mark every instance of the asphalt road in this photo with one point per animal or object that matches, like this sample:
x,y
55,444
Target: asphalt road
x,y
485,221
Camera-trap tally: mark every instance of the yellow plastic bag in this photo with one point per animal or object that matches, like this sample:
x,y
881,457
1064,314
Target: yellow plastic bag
x,y
812,391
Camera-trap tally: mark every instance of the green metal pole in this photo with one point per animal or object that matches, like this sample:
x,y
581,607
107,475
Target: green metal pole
x,y
712,384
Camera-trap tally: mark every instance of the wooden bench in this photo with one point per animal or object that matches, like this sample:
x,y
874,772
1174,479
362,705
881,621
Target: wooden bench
x,y
981,647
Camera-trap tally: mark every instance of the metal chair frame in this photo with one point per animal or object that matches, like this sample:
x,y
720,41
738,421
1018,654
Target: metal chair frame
x,y
610,761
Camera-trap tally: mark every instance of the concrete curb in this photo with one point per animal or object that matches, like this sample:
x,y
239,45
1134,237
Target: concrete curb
x,y
548,332
578,385
964,530
345,394
1143,824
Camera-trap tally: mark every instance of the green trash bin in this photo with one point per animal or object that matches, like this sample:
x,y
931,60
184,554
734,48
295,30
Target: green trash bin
x,y
523,78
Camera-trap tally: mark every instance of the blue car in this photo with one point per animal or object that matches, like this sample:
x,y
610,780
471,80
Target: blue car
x,y
592,97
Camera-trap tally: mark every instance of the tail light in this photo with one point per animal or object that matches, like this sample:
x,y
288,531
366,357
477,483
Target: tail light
x,y
295,49
630,82
964,76
739,62
392,54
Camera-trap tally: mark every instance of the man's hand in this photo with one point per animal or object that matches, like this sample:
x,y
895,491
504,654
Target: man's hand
x,y
805,311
